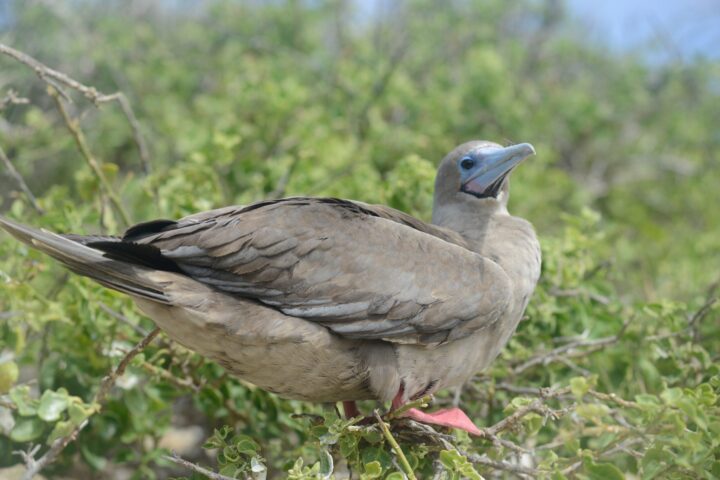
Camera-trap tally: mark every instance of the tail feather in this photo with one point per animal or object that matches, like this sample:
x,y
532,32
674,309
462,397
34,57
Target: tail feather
x,y
90,262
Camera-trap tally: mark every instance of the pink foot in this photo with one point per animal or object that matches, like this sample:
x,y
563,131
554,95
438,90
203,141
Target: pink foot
x,y
449,417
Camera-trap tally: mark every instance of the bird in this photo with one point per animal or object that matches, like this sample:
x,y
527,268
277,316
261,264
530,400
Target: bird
x,y
333,300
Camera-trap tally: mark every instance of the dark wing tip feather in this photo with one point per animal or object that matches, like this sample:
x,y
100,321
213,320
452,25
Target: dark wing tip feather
x,y
141,230
136,253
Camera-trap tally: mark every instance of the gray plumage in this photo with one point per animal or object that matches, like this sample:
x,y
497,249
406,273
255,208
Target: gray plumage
x,y
324,299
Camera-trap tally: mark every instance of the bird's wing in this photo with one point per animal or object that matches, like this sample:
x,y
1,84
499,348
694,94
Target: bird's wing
x,y
363,271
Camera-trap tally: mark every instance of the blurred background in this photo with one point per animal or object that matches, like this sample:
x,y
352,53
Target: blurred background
x,y
239,101
621,99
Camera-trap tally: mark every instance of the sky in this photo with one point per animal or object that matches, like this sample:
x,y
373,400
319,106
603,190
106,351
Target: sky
x,y
686,28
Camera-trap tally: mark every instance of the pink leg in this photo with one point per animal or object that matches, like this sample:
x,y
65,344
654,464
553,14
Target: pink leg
x,y
449,417
351,409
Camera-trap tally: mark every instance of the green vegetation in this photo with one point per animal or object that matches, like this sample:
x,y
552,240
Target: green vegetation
x,y
240,101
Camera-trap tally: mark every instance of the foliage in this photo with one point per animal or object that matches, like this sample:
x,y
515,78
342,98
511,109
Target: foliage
x,y
615,370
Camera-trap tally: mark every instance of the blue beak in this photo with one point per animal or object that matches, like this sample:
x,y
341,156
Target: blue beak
x,y
496,164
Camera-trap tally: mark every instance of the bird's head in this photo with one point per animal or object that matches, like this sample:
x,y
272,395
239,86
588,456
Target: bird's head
x,y
477,172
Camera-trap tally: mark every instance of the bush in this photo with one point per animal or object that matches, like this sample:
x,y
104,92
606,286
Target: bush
x,y
614,371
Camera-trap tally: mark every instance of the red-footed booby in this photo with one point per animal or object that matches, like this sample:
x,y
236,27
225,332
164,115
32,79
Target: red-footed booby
x,y
328,300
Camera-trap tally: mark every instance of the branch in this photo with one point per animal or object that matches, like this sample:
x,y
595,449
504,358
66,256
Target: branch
x,y
166,375
693,324
20,181
119,316
54,79
696,319
177,459
611,449
280,188
76,132
135,126
571,350
518,390
35,466
393,443
536,406
418,403
576,292
11,98
109,381
501,464
611,397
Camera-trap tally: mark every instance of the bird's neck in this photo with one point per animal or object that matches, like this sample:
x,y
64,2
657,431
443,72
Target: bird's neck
x,y
508,241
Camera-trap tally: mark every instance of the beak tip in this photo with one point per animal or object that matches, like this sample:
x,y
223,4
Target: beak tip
x,y
529,148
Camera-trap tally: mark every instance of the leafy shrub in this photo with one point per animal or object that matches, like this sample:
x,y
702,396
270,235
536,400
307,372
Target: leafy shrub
x,y
615,370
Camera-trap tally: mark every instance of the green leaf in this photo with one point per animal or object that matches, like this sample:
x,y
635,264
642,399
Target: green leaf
x,y
579,386
231,454
246,445
20,396
592,411
97,462
326,464
395,476
52,404
8,376
379,454
373,470
601,471
348,445
62,429
79,412
653,462
372,436
672,395
449,458
454,462
230,470
27,429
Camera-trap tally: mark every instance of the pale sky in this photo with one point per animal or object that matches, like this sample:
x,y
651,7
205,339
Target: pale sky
x,y
687,27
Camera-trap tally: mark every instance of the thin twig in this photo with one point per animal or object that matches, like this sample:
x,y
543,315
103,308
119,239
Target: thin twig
x,y
74,128
697,317
110,380
119,316
395,446
136,130
419,403
11,98
611,397
177,459
536,406
45,73
35,466
53,78
282,183
602,299
164,374
518,390
571,350
20,181
611,449
501,464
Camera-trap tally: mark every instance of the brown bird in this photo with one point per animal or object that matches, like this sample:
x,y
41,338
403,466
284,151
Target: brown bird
x,y
328,300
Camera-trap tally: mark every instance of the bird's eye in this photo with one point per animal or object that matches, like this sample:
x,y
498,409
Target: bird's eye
x,y
467,163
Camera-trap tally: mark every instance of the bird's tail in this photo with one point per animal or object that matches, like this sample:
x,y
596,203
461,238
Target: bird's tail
x,y
72,251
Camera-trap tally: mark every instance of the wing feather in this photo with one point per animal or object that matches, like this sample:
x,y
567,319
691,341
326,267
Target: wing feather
x,y
363,271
